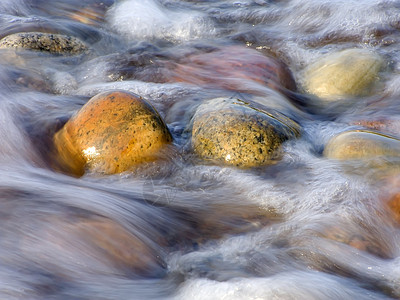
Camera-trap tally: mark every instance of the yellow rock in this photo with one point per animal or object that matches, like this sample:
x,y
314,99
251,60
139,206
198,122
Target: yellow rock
x,y
361,144
233,132
349,73
113,132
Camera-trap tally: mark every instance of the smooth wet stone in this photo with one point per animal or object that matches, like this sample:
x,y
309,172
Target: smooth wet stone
x,y
349,73
89,243
44,42
232,132
361,144
112,132
233,68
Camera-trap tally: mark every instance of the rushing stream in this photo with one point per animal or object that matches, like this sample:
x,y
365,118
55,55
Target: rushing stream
x,y
305,227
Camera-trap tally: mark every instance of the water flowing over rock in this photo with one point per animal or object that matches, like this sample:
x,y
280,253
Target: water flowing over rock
x,y
250,150
360,144
233,68
349,73
233,132
99,238
110,134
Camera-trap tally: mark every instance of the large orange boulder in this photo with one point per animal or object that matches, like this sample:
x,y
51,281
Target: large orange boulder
x,y
113,132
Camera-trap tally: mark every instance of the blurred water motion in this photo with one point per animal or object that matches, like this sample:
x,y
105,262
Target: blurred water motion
x,y
304,228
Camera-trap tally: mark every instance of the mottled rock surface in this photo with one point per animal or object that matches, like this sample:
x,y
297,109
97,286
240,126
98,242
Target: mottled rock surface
x,y
113,132
233,132
44,42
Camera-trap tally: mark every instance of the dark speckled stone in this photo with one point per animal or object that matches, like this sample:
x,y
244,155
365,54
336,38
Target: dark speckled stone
x,y
113,132
230,131
44,42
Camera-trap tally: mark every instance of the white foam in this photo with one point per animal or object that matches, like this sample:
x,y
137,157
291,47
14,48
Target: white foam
x,y
290,285
148,20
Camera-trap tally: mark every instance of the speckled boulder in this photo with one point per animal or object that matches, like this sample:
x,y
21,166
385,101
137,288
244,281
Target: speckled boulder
x,y
349,73
233,132
113,132
361,144
44,42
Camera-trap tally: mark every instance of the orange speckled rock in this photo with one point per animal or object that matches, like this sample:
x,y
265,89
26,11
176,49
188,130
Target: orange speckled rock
x,y
110,134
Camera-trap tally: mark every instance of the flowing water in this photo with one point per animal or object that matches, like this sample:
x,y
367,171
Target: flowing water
x,y
304,228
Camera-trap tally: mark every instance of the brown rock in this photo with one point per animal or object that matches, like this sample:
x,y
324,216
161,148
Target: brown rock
x,y
91,243
113,132
233,68
385,125
358,239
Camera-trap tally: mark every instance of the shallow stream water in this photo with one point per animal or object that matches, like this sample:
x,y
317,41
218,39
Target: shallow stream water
x,y
304,228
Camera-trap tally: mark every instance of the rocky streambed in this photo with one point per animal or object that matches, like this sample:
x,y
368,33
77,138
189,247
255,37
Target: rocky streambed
x,y
199,149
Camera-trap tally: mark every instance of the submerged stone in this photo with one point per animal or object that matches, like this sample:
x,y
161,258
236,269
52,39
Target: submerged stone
x,y
361,144
386,125
349,73
112,132
357,238
44,42
233,132
233,68
90,242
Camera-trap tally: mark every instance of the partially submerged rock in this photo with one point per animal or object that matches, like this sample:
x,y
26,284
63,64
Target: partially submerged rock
x,y
361,144
113,132
348,73
233,68
233,132
44,42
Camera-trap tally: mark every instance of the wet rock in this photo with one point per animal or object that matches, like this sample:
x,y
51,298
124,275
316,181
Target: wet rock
x,y
362,144
358,239
113,132
388,125
233,68
95,243
349,73
233,132
394,207
44,42
88,12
